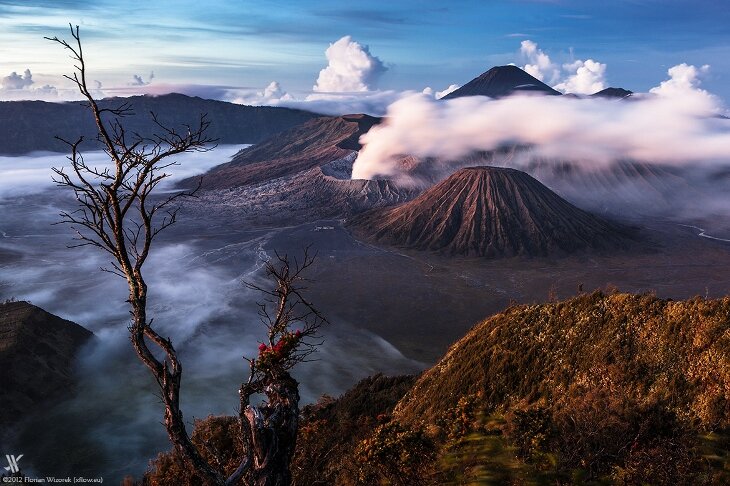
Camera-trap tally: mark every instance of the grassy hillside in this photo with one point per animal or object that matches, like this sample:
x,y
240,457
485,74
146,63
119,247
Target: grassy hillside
x,y
638,346
605,389
599,389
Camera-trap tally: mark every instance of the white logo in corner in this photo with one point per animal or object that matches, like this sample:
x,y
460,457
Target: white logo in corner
x,y
13,463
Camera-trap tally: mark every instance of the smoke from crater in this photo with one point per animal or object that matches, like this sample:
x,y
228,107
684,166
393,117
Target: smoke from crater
x,y
677,123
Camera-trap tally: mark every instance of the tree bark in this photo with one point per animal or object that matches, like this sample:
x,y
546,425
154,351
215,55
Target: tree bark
x,y
273,429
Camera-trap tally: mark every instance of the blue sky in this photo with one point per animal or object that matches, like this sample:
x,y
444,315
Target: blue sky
x,y
248,44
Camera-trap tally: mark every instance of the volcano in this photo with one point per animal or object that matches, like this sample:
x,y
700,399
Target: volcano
x,y
490,212
311,144
502,81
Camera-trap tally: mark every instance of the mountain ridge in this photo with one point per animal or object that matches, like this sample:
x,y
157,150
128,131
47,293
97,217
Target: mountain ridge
x,y
312,144
31,126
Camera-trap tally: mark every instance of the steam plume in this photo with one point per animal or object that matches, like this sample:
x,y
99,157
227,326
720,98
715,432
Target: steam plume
x,y
676,124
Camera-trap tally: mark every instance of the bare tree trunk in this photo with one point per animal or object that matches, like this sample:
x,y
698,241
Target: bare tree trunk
x,y
273,428
117,215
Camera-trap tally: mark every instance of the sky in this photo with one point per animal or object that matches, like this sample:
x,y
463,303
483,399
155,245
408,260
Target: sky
x,y
287,52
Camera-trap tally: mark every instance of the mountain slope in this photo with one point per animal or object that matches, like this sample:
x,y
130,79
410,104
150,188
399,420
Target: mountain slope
x,y
312,144
30,126
502,81
37,352
492,212
622,188
598,389
650,348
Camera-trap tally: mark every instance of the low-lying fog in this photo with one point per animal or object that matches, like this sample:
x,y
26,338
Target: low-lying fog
x,y
113,426
421,303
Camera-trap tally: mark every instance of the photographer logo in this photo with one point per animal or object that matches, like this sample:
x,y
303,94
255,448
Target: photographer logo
x,y
13,463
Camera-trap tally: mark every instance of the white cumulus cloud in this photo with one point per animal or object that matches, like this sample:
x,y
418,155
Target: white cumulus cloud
x,y
538,64
428,91
683,79
16,81
346,85
577,77
350,68
272,94
274,91
588,77
450,89
15,86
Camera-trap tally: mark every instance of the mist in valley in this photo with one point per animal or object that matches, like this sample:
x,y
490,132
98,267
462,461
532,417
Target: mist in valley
x,y
197,298
391,311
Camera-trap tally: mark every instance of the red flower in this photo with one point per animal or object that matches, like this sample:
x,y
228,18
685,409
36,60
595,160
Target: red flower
x,y
298,334
262,347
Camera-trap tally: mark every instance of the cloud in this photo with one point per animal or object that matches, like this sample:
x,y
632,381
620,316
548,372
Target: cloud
x,y
16,81
577,77
272,94
20,87
683,80
373,103
451,88
345,86
350,68
589,77
538,64
138,81
428,91
676,124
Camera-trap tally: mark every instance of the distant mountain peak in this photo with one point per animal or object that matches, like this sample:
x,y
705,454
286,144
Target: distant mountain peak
x,y
613,93
502,81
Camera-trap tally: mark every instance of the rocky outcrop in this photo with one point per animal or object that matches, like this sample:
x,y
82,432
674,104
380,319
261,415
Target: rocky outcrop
x,y
37,355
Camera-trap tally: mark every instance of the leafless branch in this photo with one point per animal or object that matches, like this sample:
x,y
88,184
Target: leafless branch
x,y
119,211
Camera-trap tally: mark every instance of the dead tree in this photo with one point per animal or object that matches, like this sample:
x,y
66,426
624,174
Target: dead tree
x,y
292,323
120,213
